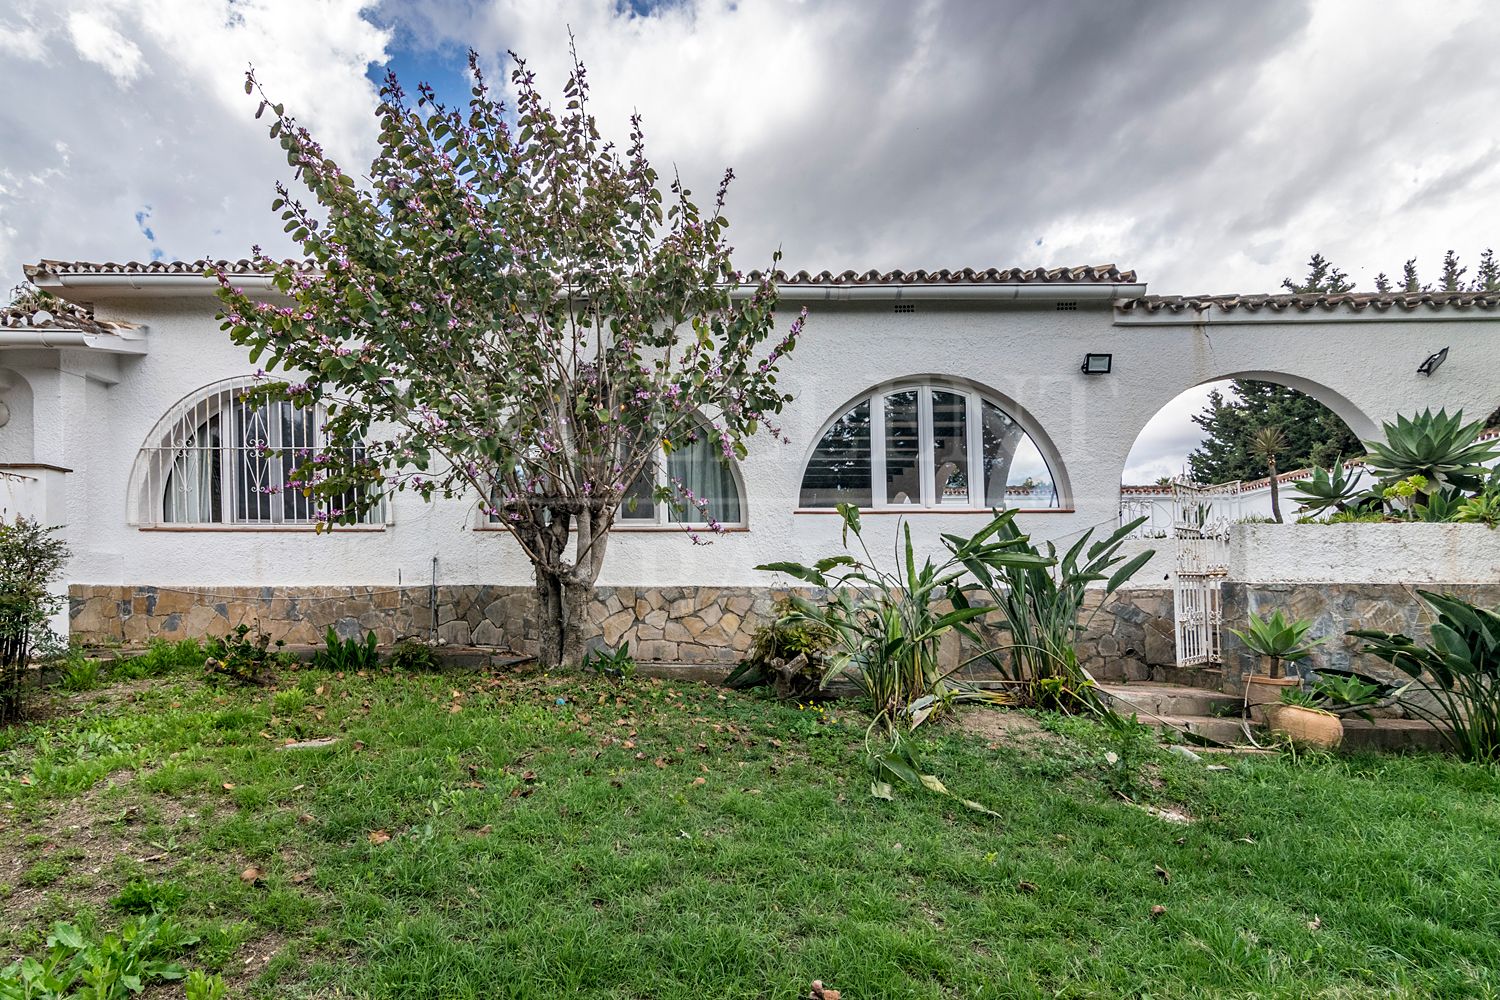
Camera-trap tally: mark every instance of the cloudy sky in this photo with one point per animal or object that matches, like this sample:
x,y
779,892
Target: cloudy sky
x,y
1209,145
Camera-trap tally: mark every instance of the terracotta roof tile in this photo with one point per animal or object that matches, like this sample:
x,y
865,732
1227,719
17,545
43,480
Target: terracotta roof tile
x,y
55,314
241,266
1306,303
1095,274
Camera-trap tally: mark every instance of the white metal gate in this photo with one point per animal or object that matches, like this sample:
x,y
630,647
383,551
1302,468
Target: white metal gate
x,y
1200,527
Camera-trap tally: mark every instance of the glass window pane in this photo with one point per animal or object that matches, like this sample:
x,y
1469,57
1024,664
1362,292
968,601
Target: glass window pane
x,y
251,465
637,504
697,467
903,473
950,447
1015,474
839,470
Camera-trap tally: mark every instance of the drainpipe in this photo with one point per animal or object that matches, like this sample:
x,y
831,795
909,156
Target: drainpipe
x,y
432,603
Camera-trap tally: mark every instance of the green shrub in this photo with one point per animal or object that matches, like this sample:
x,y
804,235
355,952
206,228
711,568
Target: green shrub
x,y
79,672
1459,669
1039,598
30,559
162,657
413,656
789,652
618,665
348,655
240,658
886,625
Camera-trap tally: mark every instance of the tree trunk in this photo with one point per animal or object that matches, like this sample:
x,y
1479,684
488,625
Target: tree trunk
x,y
549,613
562,611
1275,492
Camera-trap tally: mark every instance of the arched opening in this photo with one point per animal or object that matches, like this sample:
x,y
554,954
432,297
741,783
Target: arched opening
x,y
17,423
932,442
1229,432
219,458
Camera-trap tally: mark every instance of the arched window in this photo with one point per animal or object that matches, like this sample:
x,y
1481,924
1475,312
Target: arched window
x,y
696,466
927,445
218,458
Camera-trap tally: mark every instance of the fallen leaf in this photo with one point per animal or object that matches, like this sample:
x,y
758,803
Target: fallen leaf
x,y
379,836
700,781
1158,911
319,689
359,745
475,784
306,818
640,756
1026,887
1315,923
628,744
300,877
774,742
1163,874
251,875
228,786
455,708
660,762
486,830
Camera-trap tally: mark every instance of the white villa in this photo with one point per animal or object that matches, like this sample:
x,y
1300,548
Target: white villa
x,y
924,396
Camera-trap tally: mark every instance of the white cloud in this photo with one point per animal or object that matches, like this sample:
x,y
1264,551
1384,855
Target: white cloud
x,y
1210,146
95,39
142,103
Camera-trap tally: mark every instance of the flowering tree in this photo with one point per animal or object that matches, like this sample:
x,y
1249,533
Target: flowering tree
x,y
510,309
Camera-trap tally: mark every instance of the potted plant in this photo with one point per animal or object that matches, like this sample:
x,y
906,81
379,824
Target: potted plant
x,y
1276,640
1315,718
1301,719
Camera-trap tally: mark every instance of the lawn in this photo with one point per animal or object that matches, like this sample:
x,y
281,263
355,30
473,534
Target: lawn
x,y
519,835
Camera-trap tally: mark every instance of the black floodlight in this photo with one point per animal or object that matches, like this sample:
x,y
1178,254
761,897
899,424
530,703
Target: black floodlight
x,y
1097,364
1433,363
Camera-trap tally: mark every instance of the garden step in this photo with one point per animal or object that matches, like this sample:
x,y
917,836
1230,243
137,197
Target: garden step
x,y
1169,700
1392,734
1213,728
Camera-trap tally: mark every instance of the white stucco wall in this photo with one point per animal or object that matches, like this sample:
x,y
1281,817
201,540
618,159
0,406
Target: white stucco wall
x,y
1364,553
93,412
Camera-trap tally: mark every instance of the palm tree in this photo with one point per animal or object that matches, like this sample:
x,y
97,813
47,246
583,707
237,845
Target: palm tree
x,y
1267,443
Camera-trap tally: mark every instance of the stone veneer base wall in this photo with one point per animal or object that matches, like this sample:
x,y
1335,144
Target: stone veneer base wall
x,y
1130,638
675,624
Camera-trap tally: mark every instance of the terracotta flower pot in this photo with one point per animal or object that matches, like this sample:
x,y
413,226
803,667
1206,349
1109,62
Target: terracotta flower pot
x,y
1262,691
1311,727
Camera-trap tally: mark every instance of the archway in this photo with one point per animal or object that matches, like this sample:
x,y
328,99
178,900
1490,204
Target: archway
x,y
17,430
1204,435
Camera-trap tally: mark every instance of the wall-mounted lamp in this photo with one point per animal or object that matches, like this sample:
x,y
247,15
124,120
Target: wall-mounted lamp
x,y
1097,364
1432,364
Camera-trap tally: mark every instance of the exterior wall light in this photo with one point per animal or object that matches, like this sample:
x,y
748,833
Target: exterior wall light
x,y
1097,364
1433,363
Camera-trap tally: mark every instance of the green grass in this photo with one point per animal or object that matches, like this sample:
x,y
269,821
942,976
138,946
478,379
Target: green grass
x,y
532,853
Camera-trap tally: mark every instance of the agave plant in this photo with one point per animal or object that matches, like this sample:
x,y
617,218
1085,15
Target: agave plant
x,y
1278,637
1459,670
1328,488
1441,448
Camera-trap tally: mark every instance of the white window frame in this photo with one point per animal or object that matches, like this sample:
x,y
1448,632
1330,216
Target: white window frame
x,y
663,518
974,400
158,460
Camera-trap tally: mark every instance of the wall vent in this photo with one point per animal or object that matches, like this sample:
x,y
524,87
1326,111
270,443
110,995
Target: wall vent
x,y
906,307
1064,307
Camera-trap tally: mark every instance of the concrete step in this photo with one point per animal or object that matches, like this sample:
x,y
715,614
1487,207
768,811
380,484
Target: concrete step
x,y
1392,734
1150,699
1191,728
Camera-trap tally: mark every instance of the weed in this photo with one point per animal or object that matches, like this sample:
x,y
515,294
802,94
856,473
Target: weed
x,y
413,656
